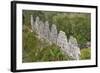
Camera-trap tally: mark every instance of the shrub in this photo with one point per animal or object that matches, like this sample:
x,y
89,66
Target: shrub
x,y
85,54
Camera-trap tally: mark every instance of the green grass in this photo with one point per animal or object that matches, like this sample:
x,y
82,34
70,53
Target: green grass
x,y
85,54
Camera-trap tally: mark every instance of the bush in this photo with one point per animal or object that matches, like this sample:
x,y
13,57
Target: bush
x,y
85,54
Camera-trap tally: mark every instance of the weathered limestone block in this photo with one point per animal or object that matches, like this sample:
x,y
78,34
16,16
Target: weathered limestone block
x,y
88,44
53,34
32,23
46,30
41,29
37,25
74,49
61,40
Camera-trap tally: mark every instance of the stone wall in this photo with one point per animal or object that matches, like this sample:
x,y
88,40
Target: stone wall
x,y
68,47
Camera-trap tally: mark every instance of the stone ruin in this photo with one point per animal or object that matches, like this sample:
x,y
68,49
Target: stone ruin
x,y
46,30
53,34
74,48
36,25
62,42
68,47
41,29
32,22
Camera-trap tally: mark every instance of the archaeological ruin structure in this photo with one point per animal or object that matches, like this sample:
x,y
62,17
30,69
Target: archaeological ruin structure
x,y
67,46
